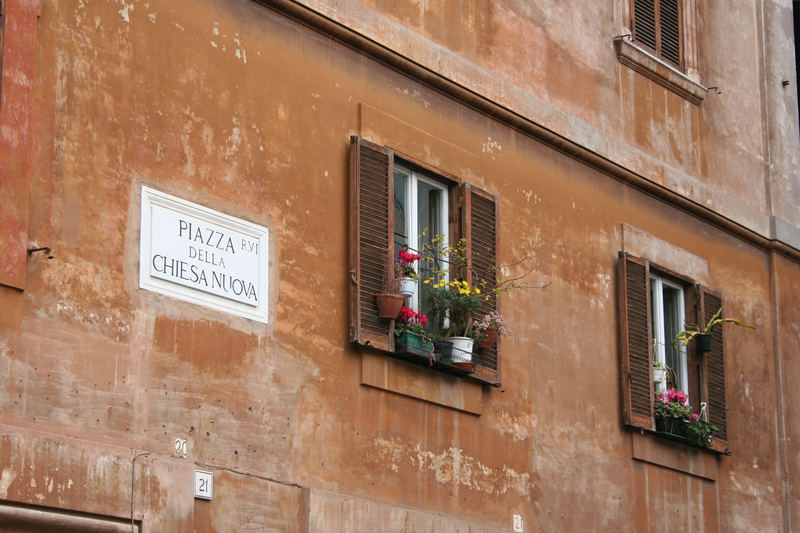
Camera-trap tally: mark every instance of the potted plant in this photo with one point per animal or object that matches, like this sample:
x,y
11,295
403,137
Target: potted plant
x,y
406,276
674,417
700,430
451,305
389,304
703,337
411,335
489,327
660,371
672,412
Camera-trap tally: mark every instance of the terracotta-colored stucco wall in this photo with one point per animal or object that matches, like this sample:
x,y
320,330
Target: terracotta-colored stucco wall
x,y
241,109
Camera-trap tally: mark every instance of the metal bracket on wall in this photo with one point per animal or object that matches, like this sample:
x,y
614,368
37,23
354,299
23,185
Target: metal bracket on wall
x,y
45,249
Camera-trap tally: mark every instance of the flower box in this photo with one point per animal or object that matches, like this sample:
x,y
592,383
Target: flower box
x,y
410,342
672,426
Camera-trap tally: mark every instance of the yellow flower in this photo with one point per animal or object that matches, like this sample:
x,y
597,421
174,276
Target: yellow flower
x,y
477,291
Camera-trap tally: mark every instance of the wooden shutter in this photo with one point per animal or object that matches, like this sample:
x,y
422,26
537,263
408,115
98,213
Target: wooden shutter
x,y
371,237
644,22
635,335
657,25
714,370
479,228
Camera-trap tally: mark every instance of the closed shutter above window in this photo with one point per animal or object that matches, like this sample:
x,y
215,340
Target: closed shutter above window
x,y
657,26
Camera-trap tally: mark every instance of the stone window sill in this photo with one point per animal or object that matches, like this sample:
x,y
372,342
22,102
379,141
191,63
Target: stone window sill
x,y
415,381
650,66
679,457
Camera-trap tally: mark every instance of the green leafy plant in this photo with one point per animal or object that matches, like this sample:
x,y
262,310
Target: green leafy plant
x,y
451,306
455,291
692,330
700,430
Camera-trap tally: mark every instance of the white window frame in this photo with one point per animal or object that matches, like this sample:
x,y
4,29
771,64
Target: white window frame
x,y
658,283
412,222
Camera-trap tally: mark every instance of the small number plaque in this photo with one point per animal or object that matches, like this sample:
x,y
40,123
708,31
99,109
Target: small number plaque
x,y
203,485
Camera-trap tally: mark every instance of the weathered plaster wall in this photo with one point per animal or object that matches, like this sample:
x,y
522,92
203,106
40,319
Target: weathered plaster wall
x,y
234,106
554,62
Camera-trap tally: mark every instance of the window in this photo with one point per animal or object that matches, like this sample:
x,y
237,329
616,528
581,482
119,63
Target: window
x,y
393,198
657,26
658,39
667,311
420,213
654,304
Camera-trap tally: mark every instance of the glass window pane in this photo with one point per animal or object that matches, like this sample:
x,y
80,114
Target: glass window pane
x,y
400,210
673,318
429,208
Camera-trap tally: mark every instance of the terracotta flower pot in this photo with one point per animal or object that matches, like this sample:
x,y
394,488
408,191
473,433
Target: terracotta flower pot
x,y
389,304
490,335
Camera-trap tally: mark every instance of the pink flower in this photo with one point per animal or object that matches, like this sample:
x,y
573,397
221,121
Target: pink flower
x,y
406,258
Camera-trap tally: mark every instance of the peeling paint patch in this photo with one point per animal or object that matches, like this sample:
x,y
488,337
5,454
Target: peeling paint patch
x,y
490,147
520,427
451,467
6,478
125,12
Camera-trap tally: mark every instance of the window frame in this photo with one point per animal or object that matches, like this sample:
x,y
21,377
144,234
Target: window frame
x,y
706,374
659,334
416,176
472,215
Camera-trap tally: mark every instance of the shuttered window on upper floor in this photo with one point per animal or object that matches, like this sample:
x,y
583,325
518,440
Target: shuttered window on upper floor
x,y
657,26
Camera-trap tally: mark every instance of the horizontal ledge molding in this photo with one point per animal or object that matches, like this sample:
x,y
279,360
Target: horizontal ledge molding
x,y
436,81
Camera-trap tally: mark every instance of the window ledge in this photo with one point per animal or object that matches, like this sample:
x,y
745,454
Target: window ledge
x,y
690,460
650,66
415,381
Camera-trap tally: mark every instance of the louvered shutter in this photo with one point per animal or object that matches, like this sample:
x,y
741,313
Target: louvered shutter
x,y
644,22
670,34
714,370
371,237
635,335
657,25
479,228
